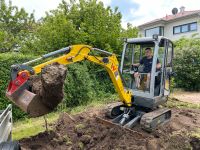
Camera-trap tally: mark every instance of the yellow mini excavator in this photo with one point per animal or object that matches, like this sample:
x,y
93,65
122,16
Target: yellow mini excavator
x,y
138,103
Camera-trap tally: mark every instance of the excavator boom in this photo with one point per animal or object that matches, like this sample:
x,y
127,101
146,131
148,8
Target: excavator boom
x,y
19,91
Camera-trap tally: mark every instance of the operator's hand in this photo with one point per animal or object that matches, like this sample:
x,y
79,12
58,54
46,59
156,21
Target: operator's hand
x,y
136,65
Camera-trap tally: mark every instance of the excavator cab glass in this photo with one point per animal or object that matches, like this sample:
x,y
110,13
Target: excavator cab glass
x,y
146,66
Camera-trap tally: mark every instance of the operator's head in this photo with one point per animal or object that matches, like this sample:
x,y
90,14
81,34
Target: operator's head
x,y
148,52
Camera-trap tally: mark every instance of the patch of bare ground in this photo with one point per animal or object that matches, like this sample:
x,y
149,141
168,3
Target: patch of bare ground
x,y
190,97
85,131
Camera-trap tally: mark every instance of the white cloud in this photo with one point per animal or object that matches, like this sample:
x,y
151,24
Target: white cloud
x,y
106,2
154,9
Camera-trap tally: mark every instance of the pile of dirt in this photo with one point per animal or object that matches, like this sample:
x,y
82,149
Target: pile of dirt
x,y
48,86
86,131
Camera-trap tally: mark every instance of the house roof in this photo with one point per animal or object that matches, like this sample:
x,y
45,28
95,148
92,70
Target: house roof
x,y
172,17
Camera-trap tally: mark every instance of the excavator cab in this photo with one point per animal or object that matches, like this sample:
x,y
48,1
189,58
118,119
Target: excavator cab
x,y
150,88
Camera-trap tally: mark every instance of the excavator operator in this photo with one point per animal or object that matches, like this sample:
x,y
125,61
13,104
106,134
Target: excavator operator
x,y
147,61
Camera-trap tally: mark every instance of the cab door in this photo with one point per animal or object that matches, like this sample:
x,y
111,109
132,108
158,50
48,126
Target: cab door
x,y
126,61
168,66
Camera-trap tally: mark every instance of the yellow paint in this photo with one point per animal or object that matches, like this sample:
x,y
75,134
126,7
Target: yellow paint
x,y
167,84
81,52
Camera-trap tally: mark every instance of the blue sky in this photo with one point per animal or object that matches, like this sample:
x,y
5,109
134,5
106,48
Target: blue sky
x,y
125,8
133,11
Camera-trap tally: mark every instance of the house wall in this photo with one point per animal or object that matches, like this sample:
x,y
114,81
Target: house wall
x,y
168,31
168,28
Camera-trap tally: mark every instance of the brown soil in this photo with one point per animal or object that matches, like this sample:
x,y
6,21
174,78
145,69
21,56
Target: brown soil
x,y
190,97
49,89
85,131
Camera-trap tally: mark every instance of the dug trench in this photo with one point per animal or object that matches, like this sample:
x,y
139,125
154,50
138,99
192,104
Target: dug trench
x,y
86,131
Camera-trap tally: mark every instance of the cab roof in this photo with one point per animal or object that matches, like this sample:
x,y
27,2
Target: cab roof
x,y
145,40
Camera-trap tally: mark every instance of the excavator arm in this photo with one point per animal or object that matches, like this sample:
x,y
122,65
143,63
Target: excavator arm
x,y
18,90
79,53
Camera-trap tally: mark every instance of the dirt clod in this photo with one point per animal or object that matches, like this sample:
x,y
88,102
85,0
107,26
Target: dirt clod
x,y
49,89
52,78
86,139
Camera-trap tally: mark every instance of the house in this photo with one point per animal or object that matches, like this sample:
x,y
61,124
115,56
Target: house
x,y
179,24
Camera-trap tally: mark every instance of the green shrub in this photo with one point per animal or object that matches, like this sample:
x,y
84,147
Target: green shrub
x,y
85,82
78,85
6,60
187,63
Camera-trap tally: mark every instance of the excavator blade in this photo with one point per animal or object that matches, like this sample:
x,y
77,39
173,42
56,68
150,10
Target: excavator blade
x,y
111,124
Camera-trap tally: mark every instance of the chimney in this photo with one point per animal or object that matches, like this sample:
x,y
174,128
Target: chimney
x,y
182,9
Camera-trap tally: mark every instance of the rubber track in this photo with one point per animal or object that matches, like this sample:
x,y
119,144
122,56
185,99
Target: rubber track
x,y
148,118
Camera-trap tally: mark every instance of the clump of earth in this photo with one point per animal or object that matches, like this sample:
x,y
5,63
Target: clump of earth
x,y
87,131
48,87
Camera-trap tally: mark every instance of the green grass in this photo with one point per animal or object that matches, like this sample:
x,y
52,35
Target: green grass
x,y
32,126
94,103
196,133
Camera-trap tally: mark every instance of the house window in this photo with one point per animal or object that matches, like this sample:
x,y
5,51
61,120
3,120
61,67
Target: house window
x,y
193,26
177,29
185,28
156,30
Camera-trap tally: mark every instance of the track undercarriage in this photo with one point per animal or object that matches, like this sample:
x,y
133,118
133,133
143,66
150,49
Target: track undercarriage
x,y
129,117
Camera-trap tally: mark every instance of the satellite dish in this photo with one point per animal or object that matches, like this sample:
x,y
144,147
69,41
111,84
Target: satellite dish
x,y
174,11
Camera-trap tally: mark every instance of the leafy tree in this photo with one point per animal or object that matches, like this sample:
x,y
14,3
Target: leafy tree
x,y
77,21
15,25
187,63
130,32
55,32
85,21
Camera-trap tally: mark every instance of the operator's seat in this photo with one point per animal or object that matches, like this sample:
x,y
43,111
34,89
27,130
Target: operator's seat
x,y
157,80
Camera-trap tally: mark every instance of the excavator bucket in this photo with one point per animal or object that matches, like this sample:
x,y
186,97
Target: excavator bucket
x,y
29,102
38,95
